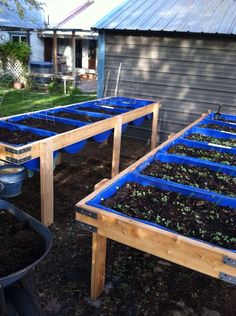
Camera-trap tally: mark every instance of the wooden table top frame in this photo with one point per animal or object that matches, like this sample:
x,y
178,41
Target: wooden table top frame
x,y
202,257
44,148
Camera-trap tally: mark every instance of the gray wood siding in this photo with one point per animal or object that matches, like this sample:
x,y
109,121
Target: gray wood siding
x,y
188,76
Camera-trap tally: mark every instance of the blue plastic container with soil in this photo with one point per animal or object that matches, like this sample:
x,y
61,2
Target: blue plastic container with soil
x,y
33,164
72,149
222,124
98,138
162,185
111,110
223,117
210,132
182,160
199,145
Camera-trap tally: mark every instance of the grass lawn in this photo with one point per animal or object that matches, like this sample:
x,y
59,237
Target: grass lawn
x,y
21,101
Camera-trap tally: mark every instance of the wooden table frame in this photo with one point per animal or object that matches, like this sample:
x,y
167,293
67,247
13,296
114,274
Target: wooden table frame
x,y
44,149
199,256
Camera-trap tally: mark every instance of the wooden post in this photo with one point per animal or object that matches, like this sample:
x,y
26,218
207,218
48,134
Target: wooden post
x,y
55,53
116,147
73,59
46,182
154,125
99,244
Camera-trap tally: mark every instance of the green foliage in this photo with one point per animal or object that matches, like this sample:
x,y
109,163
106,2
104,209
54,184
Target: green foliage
x,y
75,91
55,87
15,51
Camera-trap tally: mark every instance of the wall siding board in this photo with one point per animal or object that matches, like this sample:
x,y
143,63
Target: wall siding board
x,y
188,75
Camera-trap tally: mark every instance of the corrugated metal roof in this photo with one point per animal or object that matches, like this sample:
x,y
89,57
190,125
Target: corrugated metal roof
x,y
195,16
34,19
85,19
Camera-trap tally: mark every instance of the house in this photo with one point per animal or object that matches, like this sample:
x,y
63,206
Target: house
x,y
182,53
69,38
15,28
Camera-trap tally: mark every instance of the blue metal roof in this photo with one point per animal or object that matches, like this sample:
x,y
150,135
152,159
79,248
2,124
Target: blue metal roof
x,y
195,16
9,18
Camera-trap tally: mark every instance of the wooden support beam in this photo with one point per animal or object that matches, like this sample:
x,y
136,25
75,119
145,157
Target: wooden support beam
x,y
99,244
46,182
156,108
116,147
73,58
55,53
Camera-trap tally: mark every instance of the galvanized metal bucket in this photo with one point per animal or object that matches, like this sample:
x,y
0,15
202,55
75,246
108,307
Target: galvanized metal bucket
x,y
11,180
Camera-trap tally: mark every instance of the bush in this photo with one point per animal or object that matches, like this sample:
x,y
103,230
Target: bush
x,y
55,87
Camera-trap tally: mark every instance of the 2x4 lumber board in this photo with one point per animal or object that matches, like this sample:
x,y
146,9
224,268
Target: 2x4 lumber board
x,y
137,113
156,108
170,246
99,245
116,147
83,202
46,182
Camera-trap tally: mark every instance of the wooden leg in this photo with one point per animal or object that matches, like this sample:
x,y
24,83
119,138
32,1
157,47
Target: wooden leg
x,y
99,244
154,126
116,147
46,182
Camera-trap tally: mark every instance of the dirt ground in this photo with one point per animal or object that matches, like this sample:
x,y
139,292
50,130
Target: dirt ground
x,y
136,283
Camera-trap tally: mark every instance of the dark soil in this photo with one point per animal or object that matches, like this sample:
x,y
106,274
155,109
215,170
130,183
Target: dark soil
x,y
203,178
186,215
20,244
212,155
49,125
229,142
18,137
97,110
137,284
220,128
79,117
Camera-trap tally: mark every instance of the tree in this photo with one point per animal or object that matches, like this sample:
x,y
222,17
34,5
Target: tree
x,y
21,5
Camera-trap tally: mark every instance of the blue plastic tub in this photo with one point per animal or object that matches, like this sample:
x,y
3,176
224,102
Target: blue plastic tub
x,y
33,164
219,123
72,149
182,160
100,138
199,145
162,185
212,133
222,117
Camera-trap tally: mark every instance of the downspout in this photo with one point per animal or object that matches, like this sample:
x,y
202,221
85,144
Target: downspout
x,y
101,64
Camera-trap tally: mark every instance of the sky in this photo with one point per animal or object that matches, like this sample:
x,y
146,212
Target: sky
x,y
57,10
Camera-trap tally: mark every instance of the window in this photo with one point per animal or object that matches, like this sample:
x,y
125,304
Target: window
x,y
18,38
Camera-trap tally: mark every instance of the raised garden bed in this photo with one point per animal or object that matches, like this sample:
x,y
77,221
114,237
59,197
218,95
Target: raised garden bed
x,y
20,244
199,177
213,140
188,216
17,137
78,117
209,154
49,125
224,128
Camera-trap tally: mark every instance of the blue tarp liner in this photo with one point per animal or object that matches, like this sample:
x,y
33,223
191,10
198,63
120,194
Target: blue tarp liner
x,y
162,185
